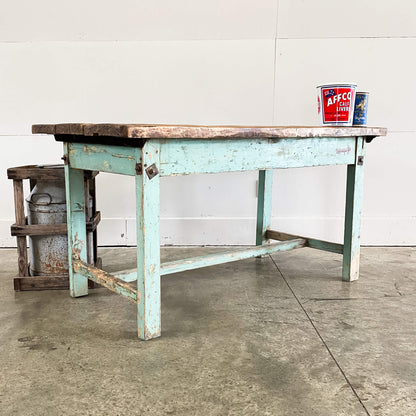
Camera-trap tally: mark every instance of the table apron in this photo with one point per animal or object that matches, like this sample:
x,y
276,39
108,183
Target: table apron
x,y
104,158
189,156
212,156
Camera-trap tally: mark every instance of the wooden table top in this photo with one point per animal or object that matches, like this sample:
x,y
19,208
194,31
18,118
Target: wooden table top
x,y
149,131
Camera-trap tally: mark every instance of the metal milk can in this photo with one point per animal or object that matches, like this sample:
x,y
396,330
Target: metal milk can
x,y
46,204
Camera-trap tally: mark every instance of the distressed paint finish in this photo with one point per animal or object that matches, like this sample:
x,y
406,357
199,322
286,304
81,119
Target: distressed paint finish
x,y
148,245
129,275
214,259
355,174
77,233
105,279
104,158
228,256
241,155
264,205
180,157
310,242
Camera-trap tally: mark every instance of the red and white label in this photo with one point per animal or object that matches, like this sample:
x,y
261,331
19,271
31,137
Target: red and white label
x,y
337,104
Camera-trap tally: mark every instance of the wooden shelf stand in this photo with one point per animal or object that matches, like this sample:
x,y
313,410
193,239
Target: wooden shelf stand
x,y
20,229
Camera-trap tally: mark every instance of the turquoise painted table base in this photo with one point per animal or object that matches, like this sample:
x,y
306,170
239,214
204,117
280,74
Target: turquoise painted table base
x,y
150,152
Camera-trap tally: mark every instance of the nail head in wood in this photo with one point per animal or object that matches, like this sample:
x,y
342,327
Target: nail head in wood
x,y
139,169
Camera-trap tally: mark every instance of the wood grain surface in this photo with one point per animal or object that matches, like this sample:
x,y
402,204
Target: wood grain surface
x,y
146,131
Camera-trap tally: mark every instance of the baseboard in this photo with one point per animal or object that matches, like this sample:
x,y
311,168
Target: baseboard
x,y
377,231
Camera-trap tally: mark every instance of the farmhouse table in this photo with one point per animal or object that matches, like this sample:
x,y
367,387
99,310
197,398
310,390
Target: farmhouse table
x,y
149,152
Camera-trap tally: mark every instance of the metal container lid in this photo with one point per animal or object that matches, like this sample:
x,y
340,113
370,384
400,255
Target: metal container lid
x,y
338,84
47,192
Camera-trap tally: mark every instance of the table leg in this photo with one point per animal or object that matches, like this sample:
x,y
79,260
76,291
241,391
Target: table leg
x,y
351,259
77,236
264,205
148,245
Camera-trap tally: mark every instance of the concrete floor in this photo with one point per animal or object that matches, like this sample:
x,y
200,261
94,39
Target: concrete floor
x,y
273,336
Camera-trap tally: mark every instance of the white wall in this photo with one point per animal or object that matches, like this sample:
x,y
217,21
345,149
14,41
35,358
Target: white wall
x,y
216,62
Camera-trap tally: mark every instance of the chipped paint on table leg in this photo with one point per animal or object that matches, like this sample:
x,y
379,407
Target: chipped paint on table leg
x,y
77,236
148,243
351,259
264,205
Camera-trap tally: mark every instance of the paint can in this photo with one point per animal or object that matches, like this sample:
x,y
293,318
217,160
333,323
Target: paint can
x,y
336,103
360,109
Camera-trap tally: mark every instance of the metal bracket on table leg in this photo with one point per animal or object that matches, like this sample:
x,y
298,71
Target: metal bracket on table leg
x,y
152,171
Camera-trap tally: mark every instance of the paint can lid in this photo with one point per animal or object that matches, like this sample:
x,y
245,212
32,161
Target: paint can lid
x,y
337,84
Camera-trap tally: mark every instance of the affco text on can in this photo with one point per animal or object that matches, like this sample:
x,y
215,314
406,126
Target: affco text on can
x,y
336,103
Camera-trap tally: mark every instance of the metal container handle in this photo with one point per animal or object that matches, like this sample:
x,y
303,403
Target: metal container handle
x,y
40,203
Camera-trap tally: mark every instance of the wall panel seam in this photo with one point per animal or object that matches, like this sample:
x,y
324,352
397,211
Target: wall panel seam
x,y
345,37
73,41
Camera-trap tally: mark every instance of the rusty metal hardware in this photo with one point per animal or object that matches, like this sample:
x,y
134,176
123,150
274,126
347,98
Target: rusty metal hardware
x,y
360,160
152,171
65,159
139,169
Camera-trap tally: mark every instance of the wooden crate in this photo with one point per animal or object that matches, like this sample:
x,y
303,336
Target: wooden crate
x,y
21,229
